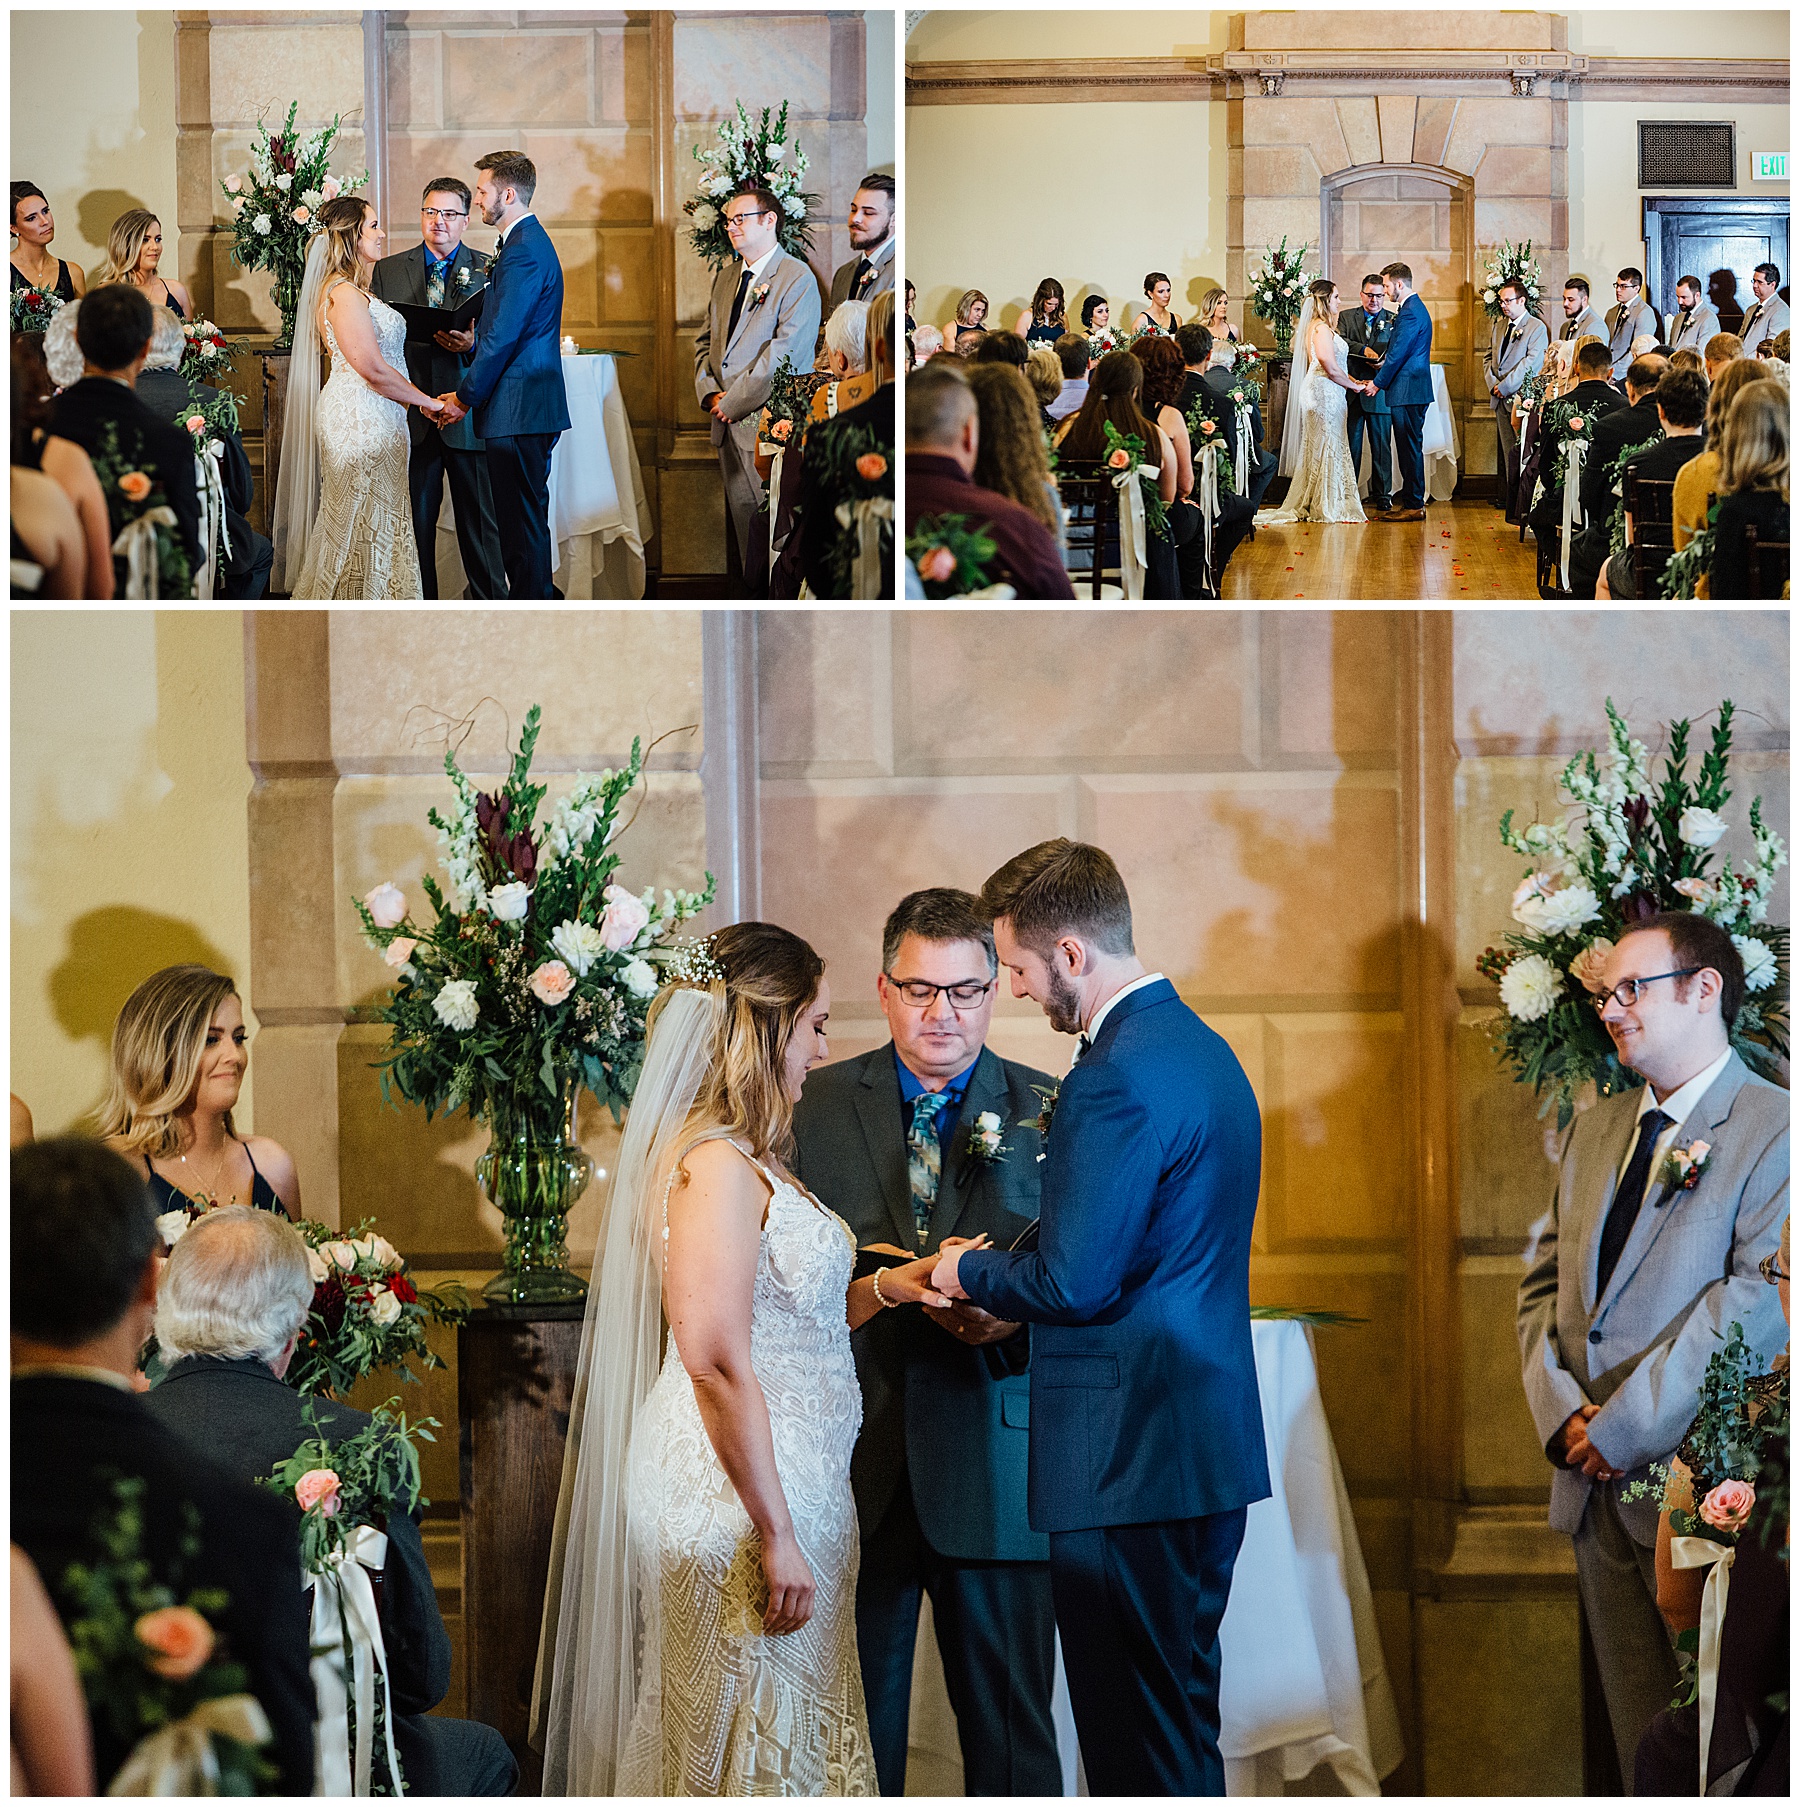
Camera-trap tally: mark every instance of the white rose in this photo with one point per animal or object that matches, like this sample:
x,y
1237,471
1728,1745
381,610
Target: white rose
x,y
625,919
639,978
260,225
777,152
339,1254
386,905
384,1251
579,944
172,1226
455,1005
364,1247
316,1267
1529,988
1759,964
1488,295
284,181
988,1122
384,1306
1700,827
509,902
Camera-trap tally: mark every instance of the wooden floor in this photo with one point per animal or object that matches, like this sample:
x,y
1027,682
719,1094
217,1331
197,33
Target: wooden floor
x,y
1461,553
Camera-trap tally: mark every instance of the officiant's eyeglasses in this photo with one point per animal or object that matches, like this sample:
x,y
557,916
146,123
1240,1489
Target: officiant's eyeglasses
x,y
922,994
441,213
1626,991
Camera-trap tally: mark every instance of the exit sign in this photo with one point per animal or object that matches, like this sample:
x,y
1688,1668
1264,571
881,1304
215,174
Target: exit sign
x,y
1768,166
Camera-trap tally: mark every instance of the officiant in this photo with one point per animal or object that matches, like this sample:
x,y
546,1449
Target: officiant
x,y
443,272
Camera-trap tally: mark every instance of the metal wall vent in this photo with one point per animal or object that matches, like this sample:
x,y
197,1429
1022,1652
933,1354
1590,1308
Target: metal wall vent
x,y
1682,154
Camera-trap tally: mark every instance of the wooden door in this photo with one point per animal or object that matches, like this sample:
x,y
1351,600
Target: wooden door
x,y
1721,241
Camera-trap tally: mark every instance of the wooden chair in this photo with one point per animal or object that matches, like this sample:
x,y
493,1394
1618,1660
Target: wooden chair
x,y
1091,505
1650,502
1765,556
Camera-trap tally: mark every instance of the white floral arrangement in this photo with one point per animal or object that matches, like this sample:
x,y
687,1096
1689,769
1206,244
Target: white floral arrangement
x,y
1511,263
750,154
1625,850
1278,288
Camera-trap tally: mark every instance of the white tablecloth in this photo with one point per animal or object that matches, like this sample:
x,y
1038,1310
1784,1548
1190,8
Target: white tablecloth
x,y
599,513
1442,450
1302,1678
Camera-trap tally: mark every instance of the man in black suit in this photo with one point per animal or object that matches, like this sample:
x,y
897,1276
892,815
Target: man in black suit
x,y
164,391
84,1272
233,1301
1613,433
893,1140
444,272
1680,401
1367,329
1236,513
1590,401
113,330
1219,379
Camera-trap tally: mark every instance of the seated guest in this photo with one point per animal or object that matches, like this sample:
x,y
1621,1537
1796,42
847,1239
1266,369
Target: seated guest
x,y
1694,321
1012,460
1778,346
1612,434
1155,316
1680,399
1687,358
113,331
1629,316
33,266
971,315
1753,493
1219,379
163,390
1195,345
1046,320
1719,351
1113,395
1213,306
943,435
1579,317
1075,356
821,549
967,338
1044,373
58,513
846,361
233,1301
1587,399
133,250
1768,315
1698,483
1001,348
179,1052
85,1262
927,342
1164,381
1096,315
52,1745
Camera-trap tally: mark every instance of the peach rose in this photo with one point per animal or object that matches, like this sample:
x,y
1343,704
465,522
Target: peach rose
x,y
302,215
233,183
399,950
1208,426
871,466
1119,461
1588,968
179,1640
134,486
1727,1507
318,1490
552,982
386,906
781,431
938,565
195,424
329,188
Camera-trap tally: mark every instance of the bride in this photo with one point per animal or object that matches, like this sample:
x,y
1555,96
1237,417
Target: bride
x,y
1324,485
343,516
699,1621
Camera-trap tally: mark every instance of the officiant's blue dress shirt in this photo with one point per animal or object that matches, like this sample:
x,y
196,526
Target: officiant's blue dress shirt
x,y
950,1098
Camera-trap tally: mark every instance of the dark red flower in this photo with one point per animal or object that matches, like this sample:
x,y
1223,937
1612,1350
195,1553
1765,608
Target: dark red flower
x,y
403,1289
329,1302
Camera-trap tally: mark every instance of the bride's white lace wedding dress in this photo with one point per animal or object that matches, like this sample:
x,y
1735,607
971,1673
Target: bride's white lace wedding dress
x,y
732,1710
1324,482
361,547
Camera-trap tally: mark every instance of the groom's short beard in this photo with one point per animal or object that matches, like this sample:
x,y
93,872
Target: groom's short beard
x,y
1062,1004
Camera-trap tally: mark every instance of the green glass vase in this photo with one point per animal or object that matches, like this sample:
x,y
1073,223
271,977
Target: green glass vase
x,y
288,278
532,1171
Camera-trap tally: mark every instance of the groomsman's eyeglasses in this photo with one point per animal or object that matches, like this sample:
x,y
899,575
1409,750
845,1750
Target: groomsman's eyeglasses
x,y
743,216
922,994
442,213
1771,1269
1626,991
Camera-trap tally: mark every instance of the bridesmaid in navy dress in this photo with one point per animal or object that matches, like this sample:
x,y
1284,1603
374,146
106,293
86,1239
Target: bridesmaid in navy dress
x,y
179,1052
32,265
133,250
1046,320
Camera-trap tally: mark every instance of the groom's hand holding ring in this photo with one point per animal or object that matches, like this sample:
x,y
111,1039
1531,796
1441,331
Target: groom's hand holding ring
x,y
943,1276
453,410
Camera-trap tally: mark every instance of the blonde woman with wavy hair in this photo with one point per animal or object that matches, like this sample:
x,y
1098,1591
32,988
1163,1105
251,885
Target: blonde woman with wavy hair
x,y
179,1053
1753,495
700,1620
134,248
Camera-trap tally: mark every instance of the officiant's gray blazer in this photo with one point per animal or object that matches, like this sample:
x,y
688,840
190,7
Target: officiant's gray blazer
x,y
1687,1272
1509,363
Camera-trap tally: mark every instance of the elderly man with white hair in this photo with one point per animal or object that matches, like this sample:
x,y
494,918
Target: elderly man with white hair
x,y
233,1302
927,343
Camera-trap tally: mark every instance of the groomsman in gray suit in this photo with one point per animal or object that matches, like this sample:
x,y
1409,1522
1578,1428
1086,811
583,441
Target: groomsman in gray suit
x,y
1627,318
1769,314
764,308
1639,1272
1520,341
934,1135
1579,317
872,239
1695,320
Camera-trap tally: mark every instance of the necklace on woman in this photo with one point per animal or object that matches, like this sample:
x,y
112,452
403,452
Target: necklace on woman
x,y
208,1198
46,265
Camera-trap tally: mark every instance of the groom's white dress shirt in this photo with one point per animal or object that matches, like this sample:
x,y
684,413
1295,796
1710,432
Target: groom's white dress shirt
x,y
1093,1027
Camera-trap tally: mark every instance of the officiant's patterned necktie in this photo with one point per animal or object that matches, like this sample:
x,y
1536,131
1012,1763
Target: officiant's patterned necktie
x,y
434,283
1629,1198
924,1158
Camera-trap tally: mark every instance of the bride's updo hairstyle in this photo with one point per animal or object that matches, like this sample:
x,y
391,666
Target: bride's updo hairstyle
x,y
341,221
157,1046
763,980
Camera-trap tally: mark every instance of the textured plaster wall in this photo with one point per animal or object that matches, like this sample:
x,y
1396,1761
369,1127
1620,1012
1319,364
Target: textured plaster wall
x,y
128,846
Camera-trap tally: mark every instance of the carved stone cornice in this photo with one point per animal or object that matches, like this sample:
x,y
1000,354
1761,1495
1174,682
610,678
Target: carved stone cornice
x,y
1287,73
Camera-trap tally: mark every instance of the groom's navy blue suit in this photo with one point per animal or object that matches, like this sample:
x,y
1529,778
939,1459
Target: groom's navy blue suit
x,y
1405,378
1146,1429
515,390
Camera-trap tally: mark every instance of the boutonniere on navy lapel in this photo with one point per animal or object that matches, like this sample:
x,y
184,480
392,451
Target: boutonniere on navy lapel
x,y
1682,1167
1041,1122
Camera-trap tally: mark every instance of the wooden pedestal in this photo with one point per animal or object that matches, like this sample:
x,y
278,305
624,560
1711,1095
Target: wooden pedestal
x,y
275,366
1275,406
515,1377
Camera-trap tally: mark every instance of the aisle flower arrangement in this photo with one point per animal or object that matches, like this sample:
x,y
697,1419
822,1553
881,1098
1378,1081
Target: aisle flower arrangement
x,y
1511,263
951,557
273,207
750,154
1277,290
1626,848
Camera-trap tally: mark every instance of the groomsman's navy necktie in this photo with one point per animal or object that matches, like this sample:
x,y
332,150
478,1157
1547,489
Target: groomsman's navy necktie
x,y
1629,1198
737,304
924,1159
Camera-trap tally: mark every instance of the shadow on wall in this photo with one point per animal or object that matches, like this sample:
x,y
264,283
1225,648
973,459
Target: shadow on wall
x,y
95,213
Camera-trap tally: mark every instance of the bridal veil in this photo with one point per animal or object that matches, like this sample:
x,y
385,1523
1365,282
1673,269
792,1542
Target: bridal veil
x,y
297,490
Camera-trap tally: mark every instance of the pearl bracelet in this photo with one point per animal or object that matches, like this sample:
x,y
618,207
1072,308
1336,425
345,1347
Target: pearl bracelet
x,y
882,1299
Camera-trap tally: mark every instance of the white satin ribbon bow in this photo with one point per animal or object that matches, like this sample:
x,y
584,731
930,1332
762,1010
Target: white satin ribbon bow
x,y
1241,468
869,512
774,498
1575,451
344,1612
136,544
1207,496
179,1759
214,538
1699,1553
1134,555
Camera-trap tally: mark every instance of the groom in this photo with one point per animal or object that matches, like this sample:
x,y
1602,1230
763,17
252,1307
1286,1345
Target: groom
x,y
1146,1428
1403,375
515,385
